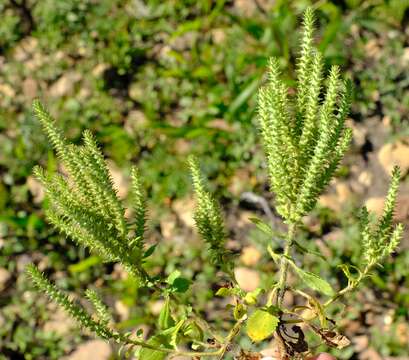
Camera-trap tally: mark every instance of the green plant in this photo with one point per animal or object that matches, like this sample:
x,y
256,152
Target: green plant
x,y
305,139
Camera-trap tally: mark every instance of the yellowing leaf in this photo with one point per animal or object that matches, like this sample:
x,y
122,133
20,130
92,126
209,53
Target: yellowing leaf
x,y
260,325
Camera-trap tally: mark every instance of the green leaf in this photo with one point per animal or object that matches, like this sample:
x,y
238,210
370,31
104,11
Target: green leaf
x,y
309,251
239,311
150,251
193,331
178,283
166,339
84,264
149,354
346,269
244,96
261,225
224,291
251,297
276,257
260,325
172,276
165,320
314,281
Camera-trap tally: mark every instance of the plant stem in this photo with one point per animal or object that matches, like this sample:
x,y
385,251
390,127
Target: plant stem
x,y
232,334
284,265
351,286
219,353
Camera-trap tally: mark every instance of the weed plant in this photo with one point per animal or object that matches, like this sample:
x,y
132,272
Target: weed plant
x,y
305,138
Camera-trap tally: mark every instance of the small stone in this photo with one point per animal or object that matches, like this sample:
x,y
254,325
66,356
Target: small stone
x,y
99,69
60,323
375,204
184,209
402,208
22,261
122,310
94,349
30,88
65,84
250,256
402,333
136,92
365,178
119,272
247,279
36,189
370,354
240,181
359,132
360,342
135,121
156,307
218,36
245,7
405,56
343,192
7,90
4,278
330,201
394,154
221,124
121,183
244,218
183,146
168,226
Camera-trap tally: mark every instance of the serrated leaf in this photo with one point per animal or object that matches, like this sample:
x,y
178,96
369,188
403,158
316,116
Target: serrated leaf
x,y
261,325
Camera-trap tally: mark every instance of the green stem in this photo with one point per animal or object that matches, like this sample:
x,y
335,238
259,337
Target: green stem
x,y
350,286
194,354
172,352
232,334
279,295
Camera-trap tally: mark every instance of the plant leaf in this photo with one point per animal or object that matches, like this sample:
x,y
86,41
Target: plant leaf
x,y
224,291
85,264
173,276
166,339
149,354
165,320
261,225
309,251
314,281
150,251
260,325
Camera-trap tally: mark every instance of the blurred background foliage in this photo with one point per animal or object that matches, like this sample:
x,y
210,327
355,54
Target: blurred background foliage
x,y
157,80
